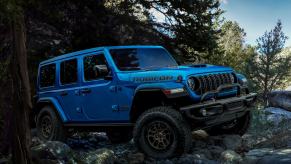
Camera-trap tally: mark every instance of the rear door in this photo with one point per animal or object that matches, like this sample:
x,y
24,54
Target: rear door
x,y
98,95
68,94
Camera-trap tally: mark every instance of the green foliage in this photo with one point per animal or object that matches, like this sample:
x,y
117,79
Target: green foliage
x,y
231,49
269,68
189,26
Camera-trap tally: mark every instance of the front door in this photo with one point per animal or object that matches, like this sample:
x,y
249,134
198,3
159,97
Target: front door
x,y
98,96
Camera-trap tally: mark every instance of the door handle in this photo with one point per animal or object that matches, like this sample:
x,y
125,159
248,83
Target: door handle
x,y
86,90
64,93
113,88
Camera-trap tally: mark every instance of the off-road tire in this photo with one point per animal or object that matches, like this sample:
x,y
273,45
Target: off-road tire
x,y
57,131
119,135
176,125
240,128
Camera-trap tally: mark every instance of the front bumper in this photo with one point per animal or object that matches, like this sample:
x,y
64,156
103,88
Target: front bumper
x,y
213,111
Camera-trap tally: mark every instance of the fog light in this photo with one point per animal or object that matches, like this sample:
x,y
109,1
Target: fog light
x,y
203,112
174,91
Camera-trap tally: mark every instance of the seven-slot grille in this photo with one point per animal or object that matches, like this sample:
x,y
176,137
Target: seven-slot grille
x,y
211,82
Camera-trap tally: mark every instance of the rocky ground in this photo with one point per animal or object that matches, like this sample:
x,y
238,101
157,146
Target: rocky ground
x,y
268,141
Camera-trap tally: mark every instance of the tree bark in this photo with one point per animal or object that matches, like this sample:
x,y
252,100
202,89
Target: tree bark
x,y
21,139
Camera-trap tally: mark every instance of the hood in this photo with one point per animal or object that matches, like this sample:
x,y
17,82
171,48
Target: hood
x,y
172,73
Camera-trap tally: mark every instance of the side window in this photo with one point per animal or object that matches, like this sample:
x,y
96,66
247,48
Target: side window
x,y
92,66
47,75
69,71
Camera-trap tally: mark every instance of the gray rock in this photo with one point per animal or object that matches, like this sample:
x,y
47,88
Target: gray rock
x,y
278,156
215,151
268,156
277,115
260,152
215,140
250,159
193,159
278,159
232,142
164,162
52,150
229,156
202,153
35,141
200,135
199,144
136,158
281,99
249,141
99,156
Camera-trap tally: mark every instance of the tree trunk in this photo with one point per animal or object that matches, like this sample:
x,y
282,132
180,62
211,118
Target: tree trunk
x,y
20,141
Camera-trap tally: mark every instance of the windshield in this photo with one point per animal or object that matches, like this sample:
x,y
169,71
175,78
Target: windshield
x,y
142,59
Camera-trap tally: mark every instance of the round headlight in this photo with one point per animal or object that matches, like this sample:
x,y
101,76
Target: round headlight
x,y
191,83
243,81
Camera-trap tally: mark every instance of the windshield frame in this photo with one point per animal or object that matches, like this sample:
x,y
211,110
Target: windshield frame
x,y
143,69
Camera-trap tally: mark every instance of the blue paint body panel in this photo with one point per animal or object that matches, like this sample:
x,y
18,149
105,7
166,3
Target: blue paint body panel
x,y
57,106
111,100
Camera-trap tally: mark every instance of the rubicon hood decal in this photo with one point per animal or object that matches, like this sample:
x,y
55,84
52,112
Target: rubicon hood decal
x,y
152,78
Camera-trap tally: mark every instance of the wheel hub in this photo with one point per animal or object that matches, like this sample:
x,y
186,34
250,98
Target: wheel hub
x,y
46,126
159,135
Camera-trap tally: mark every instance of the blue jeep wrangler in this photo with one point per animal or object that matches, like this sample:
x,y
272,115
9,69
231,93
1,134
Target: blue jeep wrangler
x,y
139,92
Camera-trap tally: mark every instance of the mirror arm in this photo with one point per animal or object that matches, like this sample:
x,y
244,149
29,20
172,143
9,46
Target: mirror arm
x,y
108,77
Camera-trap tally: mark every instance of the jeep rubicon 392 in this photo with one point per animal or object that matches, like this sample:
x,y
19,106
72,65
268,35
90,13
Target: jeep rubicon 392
x,y
139,92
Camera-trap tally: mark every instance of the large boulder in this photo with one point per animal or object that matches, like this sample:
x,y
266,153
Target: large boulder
x,y
136,158
99,156
200,135
229,157
279,140
53,151
249,141
277,115
215,151
193,159
280,99
268,156
232,142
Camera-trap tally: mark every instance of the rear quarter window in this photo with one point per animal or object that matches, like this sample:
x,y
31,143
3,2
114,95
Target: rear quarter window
x,y
47,76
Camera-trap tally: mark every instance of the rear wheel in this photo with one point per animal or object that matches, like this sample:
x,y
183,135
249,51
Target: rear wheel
x,y
238,126
49,126
161,132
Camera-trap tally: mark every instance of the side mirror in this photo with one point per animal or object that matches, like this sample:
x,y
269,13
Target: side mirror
x,y
102,70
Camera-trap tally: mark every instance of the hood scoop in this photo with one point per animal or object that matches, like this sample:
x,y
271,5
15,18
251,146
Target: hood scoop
x,y
198,65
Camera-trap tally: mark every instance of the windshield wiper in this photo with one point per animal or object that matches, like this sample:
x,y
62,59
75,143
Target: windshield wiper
x,y
155,67
130,68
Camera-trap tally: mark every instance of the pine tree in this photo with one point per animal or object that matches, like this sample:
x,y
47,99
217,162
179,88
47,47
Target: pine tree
x,y
189,26
269,68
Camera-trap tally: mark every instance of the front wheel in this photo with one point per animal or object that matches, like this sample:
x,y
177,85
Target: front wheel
x,y
49,126
161,132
